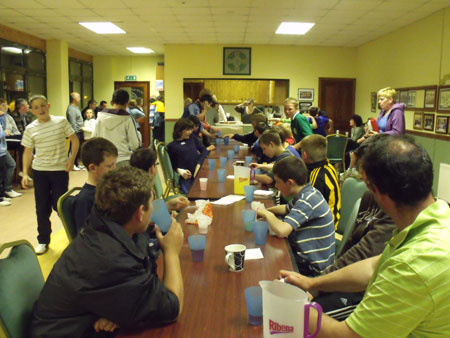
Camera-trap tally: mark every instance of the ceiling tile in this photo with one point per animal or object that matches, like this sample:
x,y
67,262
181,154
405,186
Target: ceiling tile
x,y
103,3
20,4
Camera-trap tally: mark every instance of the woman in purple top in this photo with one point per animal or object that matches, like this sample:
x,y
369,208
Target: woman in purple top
x,y
392,116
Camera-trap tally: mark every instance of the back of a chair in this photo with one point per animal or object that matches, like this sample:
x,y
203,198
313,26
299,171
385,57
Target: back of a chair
x,y
65,212
336,147
21,281
352,190
158,186
348,228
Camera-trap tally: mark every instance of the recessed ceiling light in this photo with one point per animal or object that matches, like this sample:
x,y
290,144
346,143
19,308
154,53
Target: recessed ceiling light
x,y
297,28
140,50
102,27
12,50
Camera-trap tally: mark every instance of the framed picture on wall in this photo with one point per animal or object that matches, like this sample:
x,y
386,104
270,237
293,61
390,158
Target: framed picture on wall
x,y
428,122
418,120
373,102
411,98
430,98
442,124
237,61
306,94
304,106
444,99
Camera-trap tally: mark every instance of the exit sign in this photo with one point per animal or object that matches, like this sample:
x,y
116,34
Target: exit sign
x,y
130,77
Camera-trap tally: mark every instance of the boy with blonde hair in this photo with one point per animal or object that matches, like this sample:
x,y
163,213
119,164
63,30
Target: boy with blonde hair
x,y
299,123
47,136
322,174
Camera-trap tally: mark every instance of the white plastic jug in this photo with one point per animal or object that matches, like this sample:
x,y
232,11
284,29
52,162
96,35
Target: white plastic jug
x,y
286,310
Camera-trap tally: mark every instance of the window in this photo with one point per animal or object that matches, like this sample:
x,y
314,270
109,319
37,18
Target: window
x,y
81,80
22,71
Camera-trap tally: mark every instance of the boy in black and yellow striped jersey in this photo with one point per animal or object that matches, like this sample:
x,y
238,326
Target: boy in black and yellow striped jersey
x,y
322,174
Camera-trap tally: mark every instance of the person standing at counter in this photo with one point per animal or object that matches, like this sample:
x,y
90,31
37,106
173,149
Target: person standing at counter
x,y
246,109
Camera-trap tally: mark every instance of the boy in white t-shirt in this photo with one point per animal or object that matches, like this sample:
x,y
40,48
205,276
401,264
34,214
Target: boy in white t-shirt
x,y
47,136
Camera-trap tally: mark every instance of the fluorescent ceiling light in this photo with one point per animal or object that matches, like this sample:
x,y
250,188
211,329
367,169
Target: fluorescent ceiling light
x,y
12,50
102,27
297,28
140,50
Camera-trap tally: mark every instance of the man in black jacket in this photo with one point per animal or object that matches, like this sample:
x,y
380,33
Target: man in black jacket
x,y
107,276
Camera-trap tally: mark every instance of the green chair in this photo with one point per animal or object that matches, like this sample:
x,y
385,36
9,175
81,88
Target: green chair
x,y
336,144
171,177
348,227
65,212
352,190
21,281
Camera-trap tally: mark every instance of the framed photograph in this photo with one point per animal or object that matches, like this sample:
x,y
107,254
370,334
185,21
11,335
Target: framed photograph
x,y
428,122
418,120
411,98
430,98
306,94
373,102
444,99
304,106
403,97
237,61
442,124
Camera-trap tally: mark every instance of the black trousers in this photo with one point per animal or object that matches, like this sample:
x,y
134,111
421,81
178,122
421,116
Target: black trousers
x,y
48,187
339,305
2,176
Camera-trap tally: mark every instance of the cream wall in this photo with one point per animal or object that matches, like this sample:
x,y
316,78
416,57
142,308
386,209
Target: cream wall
x,y
57,76
300,64
108,69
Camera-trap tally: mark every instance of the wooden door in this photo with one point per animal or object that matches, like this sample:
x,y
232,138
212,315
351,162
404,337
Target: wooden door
x,y
337,99
139,90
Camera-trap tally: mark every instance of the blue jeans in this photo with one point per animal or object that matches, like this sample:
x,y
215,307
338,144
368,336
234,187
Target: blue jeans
x,y
10,167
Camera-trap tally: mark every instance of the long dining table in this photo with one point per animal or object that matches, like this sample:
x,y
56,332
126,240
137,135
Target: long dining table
x,y
214,302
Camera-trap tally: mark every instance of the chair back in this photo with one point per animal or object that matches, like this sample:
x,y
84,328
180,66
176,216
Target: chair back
x,y
158,186
352,190
170,176
348,228
65,212
336,144
21,281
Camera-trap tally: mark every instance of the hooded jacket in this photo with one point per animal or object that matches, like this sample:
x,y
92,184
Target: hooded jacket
x,y
117,126
395,123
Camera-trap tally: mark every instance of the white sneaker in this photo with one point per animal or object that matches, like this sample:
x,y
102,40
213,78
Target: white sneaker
x,y
6,198
5,203
12,194
41,249
75,168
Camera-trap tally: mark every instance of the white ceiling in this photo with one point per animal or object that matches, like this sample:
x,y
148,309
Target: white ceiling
x,y
154,23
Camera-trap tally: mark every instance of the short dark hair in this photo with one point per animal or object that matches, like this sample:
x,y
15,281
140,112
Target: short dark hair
x,y
121,192
399,167
94,151
270,136
358,120
195,120
180,125
143,158
91,102
279,131
258,117
120,96
313,111
315,146
103,102
260,127
292,168
207,97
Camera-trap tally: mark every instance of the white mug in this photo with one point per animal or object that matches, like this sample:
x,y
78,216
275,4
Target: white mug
x,y
235,256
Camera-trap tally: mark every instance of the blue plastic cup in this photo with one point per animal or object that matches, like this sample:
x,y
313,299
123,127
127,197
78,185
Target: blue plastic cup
x,y
160,215
248,217
223,161
248,160
212,164
230,154
253,299
226,140
236,148
219,133
260,230
218,141
221,175
197,245
249,190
